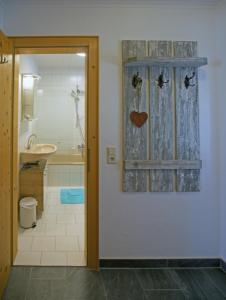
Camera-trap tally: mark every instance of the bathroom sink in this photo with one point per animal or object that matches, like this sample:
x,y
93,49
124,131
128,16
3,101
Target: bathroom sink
x,y
37,152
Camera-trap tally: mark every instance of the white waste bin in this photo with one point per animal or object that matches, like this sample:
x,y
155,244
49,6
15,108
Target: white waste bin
x,y
28,212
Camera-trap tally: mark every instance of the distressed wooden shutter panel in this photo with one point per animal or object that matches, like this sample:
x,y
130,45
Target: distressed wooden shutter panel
x,y
135,139
161,118
163,155
187,119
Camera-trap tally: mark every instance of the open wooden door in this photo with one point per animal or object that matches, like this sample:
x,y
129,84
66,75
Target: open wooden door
x,y
6,80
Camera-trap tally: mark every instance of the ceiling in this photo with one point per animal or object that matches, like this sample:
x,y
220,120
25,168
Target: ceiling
x,y
113,2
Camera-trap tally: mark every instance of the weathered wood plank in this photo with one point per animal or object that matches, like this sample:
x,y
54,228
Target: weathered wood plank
x,y
167,61
160,49
163,164
132,48
161,118
185,49
187,119
135,139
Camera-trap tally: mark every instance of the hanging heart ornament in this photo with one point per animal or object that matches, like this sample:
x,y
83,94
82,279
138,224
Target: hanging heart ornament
x,y
138,118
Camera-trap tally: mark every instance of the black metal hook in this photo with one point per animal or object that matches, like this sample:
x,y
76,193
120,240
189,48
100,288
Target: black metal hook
x,y
187,80
136,81
161,81
3,60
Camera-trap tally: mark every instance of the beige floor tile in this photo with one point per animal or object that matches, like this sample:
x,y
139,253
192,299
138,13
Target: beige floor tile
x,y
75,229
66,244
57,240
20,230
69,208
81,243
53,189
60,212
28,258
53,203
24,243
82,208
76,259
39,230
54,259
55,230
43,244
80,218
47,218
65,218
78,208
53,194
54,209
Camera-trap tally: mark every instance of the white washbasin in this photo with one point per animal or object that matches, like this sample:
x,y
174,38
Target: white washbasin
x,y
37,152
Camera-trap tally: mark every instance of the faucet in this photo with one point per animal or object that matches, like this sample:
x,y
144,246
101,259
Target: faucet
x,y
30,141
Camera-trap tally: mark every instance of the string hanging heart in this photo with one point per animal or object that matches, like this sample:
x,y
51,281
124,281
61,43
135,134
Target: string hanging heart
x,y
138,118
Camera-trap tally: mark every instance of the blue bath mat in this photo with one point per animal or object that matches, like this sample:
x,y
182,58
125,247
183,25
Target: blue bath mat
x,y
72,196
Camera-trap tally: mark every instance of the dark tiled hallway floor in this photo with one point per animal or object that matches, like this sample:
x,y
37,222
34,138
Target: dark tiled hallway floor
x,y
69,283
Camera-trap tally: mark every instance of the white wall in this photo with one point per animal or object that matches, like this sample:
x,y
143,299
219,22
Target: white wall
x,y
2,10
221,63
144,224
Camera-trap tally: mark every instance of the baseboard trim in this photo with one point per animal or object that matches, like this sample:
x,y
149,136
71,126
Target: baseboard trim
x,y
163,263
223,265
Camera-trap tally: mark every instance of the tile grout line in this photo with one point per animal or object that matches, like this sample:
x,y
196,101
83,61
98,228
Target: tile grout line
x,y
179,282
28,284
165,290
157,268
174,277
214,284
104,287
138,280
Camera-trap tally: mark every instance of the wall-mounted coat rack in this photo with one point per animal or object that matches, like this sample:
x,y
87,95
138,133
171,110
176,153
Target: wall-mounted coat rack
x,y
161,117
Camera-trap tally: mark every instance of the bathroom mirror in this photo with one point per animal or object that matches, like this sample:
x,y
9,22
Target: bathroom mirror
x,y
28,94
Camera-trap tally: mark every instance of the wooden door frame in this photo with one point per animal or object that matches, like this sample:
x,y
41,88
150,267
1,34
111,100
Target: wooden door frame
x,y
6,79
64,44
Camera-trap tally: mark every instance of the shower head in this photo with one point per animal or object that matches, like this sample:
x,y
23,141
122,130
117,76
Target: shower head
x,y
75,95
78,90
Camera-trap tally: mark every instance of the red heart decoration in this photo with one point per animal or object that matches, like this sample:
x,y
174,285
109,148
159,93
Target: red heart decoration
x,y
138,118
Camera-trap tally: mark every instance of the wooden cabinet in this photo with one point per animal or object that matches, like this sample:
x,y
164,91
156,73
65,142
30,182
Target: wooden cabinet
x,y
33,182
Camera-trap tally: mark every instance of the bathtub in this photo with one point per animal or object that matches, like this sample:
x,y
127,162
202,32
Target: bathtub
x,y
66,169
66,158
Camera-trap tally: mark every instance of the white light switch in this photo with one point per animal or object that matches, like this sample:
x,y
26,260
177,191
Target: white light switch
x,y
111,155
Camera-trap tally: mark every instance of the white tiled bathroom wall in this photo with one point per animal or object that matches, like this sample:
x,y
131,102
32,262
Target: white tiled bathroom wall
x,y
55,111
55,108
